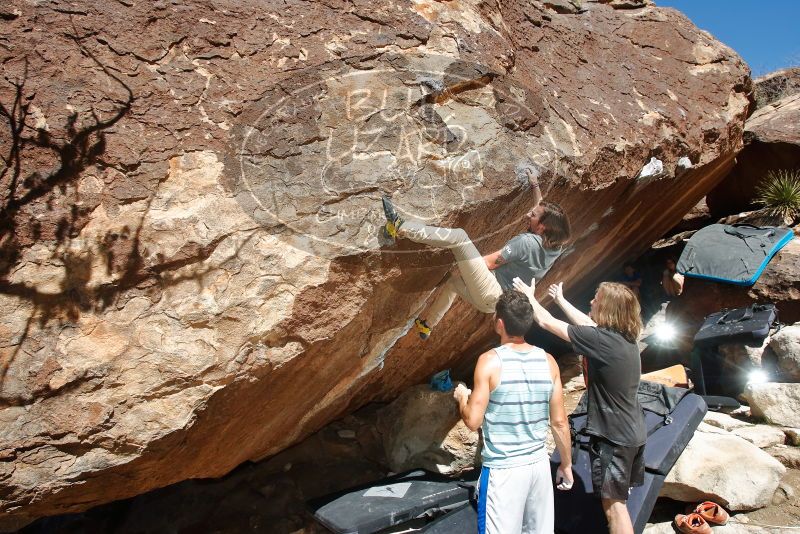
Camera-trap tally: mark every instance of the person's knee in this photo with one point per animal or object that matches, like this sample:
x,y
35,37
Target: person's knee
x,y
459,235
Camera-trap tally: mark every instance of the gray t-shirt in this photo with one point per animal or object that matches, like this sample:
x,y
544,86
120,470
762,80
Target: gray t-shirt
x,y
526,257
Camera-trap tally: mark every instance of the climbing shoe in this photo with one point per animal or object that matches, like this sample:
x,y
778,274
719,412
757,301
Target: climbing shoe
x,y
422,326
393,220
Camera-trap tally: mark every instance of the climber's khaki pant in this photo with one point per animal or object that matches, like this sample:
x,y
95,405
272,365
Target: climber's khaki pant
x,y
477,284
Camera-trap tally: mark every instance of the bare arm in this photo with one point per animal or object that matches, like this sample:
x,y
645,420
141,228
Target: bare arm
x,y
536,190
472,404
574,315
560,428
494,260
542,317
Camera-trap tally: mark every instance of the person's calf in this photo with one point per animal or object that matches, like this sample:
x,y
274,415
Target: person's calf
x,y
619,520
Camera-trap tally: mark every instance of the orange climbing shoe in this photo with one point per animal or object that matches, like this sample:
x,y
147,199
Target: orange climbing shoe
x,y
692,524
712,513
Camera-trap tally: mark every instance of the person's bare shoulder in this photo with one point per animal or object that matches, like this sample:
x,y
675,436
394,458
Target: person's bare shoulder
x,y
488,360
554,370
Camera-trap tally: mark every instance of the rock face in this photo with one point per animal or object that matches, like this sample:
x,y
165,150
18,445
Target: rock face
x,y
776,85
777,403
772,142
191,274
703,472
423,429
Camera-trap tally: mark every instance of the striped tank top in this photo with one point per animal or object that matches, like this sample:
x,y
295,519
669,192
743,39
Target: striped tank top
x,y
518,415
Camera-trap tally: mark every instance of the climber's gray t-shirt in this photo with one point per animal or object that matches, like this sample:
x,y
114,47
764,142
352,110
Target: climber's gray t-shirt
x,y
526,257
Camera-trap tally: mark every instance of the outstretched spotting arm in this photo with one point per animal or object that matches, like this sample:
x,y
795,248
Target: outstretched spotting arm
x,y
543,317
534,181
575,316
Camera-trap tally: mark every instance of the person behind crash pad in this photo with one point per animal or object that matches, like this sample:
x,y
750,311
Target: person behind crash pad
x,y
516,393
481,279
615,421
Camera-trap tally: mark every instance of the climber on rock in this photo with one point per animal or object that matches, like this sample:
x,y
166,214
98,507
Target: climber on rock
x,y
482,279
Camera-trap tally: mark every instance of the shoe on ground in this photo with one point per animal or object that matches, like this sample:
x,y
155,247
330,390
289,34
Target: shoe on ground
x,y
692,524
423,328
712,513
393,220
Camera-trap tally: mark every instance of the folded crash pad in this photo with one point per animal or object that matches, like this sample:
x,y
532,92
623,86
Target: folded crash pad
x,y
462,520
670,426
577,510
733,254
391,501
750,324
668,434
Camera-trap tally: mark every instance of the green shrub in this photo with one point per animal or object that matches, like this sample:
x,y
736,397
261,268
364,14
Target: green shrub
x,y
780,194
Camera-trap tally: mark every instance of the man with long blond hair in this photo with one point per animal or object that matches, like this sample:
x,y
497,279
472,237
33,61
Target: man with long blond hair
x,y
615,421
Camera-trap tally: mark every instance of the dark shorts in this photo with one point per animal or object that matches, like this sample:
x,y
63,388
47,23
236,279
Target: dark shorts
x,y
615,469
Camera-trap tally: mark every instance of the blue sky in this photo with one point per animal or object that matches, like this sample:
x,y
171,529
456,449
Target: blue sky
x,y
766,33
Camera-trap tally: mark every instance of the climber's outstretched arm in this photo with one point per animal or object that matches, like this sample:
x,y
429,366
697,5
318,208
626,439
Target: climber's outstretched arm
x,y
535,188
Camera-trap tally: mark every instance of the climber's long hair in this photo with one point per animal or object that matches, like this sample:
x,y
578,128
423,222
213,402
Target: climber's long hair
x,y
617,308
557,229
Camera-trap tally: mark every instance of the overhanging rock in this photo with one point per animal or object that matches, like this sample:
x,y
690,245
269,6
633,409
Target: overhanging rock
x,y
191,274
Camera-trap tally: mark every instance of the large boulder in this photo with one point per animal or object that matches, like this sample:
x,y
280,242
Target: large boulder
x,y
772,142
777,403
707,470
191,271
422,429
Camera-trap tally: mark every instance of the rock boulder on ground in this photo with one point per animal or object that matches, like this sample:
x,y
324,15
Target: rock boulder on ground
x,y
762,436
785,344
777,403
724,421
710,468
422,429
787,455
192,274
747,356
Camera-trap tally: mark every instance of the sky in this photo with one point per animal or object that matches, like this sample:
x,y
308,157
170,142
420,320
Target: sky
x,y
765,33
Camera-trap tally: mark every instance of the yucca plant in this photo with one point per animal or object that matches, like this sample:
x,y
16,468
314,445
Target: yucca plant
x,y
779,193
